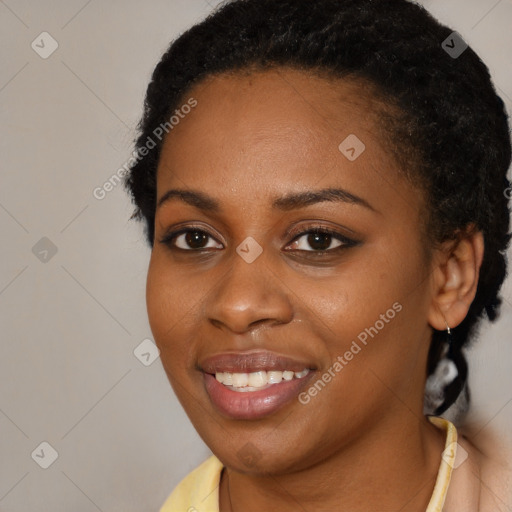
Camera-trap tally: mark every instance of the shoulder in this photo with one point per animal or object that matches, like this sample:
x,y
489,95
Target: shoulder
x,y
199,490
495,476
480,481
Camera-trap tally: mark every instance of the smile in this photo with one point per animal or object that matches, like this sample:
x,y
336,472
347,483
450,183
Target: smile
x,y
243,382
253,385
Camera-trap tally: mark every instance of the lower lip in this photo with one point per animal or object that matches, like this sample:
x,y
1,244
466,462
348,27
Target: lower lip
x,y
250,405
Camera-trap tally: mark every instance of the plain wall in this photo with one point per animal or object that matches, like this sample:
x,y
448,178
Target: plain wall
x,y
70,324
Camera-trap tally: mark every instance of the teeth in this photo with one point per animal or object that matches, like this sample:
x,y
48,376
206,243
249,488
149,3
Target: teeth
x,y
240,380
257,380
274,377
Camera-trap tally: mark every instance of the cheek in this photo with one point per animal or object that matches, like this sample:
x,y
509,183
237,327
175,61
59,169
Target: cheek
x,y
172,307
354,298
373,317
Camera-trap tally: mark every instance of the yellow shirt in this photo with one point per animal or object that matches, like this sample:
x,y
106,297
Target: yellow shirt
x,y
199,490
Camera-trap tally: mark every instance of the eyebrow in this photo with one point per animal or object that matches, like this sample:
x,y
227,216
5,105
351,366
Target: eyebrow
x,y
287,202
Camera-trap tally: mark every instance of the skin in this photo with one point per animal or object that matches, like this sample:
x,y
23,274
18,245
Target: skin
x,y
362,443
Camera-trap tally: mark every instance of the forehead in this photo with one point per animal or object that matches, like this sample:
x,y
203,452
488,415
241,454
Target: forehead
x,y
284,116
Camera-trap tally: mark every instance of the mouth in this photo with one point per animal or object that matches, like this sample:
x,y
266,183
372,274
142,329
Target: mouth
x,y
253,385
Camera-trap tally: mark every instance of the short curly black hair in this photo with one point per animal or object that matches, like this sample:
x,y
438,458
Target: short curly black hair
x,y
448,126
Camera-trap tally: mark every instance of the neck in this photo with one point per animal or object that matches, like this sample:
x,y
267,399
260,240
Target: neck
x,y
388,468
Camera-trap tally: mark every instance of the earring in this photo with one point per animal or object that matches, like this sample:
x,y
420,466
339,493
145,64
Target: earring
x,y
450,353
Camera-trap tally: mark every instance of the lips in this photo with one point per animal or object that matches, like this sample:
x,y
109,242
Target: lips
x,y
242,401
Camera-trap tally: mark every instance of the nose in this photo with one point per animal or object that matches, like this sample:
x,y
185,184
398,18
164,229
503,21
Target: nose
x,y
249,295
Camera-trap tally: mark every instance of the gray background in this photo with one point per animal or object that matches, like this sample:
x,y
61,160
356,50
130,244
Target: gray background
x,y
71,323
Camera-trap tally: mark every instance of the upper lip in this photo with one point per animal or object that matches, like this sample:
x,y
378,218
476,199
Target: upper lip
x,y
248,362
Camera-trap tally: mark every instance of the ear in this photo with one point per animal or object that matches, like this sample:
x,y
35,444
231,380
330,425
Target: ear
x,y
455,278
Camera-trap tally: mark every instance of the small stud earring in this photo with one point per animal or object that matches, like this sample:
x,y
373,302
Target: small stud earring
x,y
449,340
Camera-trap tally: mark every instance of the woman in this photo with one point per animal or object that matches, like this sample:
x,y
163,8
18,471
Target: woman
x,y
327,213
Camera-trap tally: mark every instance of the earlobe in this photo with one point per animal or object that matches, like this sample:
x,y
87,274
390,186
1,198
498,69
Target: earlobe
x,y
455,280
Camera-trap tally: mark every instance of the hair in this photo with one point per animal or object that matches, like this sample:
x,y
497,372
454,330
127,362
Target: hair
x,y
447,127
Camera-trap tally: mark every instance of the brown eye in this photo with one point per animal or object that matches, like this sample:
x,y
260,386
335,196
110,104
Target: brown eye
x,y
195,239
317,241
191,240
320,241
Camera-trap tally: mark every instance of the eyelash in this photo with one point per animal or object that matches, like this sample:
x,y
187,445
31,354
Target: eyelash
x,y
346,242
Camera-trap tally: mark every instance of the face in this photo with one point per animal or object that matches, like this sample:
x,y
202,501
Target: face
x,y
288,288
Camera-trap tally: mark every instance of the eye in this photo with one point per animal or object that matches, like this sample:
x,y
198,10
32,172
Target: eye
x,y
321,240
317,240
190,239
